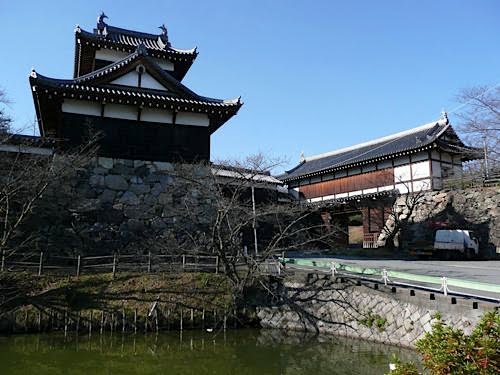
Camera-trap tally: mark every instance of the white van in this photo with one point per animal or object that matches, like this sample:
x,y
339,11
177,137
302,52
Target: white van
x,y
460,240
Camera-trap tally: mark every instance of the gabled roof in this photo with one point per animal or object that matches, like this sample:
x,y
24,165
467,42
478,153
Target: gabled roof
x,y
124,40
438,133
98,86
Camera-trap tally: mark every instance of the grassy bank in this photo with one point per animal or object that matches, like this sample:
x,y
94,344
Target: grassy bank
x,y
49,302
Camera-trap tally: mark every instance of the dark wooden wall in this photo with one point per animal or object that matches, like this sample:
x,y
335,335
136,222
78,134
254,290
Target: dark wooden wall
x,y
128,139
351,183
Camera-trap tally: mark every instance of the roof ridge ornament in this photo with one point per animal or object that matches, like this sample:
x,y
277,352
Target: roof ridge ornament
x,y
101,25
444,116
302,157
163,37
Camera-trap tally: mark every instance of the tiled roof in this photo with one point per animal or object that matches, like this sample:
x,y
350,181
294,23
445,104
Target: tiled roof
x,y
91,87
132,39
407,141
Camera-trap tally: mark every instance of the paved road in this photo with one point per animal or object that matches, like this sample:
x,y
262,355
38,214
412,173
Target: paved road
x,y
483,271
486,271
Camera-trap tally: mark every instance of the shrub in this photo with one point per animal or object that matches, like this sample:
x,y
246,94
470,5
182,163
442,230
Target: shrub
x,y
447,350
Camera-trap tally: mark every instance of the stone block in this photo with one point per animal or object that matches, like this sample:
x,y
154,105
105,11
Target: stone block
x,y
96,180
163,166
139,188
107,196
115,182
130,198
105,162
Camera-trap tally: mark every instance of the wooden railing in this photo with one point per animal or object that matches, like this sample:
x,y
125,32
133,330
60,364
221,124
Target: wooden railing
x,y
370,240
40,263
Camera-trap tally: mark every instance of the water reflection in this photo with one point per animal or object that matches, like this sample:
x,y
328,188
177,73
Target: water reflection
x,y
193,352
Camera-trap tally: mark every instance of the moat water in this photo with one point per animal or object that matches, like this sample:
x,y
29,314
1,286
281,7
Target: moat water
x,y
193,352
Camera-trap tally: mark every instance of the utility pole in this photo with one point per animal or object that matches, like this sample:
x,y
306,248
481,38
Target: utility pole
x,y
485,147
254,224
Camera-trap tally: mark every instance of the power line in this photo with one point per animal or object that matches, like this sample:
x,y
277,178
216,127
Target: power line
x,y
474,98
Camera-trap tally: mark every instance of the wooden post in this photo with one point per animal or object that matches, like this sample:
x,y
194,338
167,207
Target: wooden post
x,y
39,321
114,265
225,321
77,328
78,262
65,323
183,262
146,323
40,264
168,319
135,321
156,320
203,319
192,318
123,320
112,321
149,262
26,320
90,321
102,320
182,313
2,267
235,322
217,264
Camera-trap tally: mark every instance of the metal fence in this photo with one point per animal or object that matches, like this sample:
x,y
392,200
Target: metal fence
x,y
390,277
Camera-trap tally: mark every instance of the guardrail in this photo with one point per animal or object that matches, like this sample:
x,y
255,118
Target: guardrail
x,y
389,276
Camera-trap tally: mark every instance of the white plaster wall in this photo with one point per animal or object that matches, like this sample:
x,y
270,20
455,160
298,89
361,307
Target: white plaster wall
x,y
355,193
129,79
81,107
422,185
385,188
188,118
156,115
126,112
402,173
403,188
370,191
421,170
110,55
147,81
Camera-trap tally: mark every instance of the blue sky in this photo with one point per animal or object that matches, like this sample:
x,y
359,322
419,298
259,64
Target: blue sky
x,y
314,75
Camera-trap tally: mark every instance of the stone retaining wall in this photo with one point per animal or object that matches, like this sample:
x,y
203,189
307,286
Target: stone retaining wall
x,y
476,209
118,203
365,313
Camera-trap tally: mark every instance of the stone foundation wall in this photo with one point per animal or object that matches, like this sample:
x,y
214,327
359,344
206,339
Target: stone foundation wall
x,y
118,204
474,209
361,312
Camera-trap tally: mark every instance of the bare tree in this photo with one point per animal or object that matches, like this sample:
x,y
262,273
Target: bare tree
x,y
480,123
250,219
5,119
29,167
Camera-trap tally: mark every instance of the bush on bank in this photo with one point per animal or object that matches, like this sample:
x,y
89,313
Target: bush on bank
x,y
447,350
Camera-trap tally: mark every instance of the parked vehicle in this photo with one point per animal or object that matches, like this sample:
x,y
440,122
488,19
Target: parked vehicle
x,y
452,243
